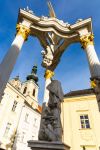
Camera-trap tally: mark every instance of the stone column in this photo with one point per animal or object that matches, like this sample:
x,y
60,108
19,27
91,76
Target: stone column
x,y
48,75
9,60
94,64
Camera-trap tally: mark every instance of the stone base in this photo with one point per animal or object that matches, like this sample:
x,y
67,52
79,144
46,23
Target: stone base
x,y
44,145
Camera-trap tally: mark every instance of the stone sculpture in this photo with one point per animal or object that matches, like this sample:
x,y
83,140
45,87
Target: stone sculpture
x,y
51,128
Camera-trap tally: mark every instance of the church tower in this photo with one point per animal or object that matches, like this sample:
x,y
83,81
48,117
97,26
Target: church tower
x,y
30,88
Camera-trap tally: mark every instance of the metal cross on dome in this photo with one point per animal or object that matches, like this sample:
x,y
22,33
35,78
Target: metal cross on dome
x,y
28,5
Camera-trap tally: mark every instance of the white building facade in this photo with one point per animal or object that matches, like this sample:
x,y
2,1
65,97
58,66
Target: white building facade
x,y
19,113
27,128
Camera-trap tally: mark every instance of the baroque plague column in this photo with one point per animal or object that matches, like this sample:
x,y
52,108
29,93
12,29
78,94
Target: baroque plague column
x,y
94,63
9,60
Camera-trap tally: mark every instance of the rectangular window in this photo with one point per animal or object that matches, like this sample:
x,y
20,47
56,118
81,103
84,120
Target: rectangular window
x,y
33,137
7,129
84,119
35,122
26,117
23,137
14,106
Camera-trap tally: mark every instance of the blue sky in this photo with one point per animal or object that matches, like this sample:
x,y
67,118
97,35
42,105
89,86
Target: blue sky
x,y
73,70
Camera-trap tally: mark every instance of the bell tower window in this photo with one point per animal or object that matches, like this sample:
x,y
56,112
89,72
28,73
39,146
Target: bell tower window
x,y
24,90
33,92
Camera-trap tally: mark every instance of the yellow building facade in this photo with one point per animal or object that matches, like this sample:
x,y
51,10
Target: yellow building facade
x,y
81,120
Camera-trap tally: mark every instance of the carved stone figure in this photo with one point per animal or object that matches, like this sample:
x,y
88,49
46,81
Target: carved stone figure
x,y
16,82
47,56
51,128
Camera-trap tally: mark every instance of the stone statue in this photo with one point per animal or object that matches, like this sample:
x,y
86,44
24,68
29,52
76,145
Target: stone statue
x,y
47,56
16,82
52,40
51,128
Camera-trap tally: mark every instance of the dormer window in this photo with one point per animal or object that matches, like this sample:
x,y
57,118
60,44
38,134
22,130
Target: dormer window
x,y
33,92
24,90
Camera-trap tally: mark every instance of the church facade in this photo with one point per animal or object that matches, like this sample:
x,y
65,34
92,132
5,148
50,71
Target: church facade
x,y
20,113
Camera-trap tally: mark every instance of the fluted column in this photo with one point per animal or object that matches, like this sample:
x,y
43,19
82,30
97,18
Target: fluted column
x,y
9,60
48,75
88,45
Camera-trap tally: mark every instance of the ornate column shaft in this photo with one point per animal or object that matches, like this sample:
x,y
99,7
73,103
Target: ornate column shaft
x,y
9,60
88,45
48,75
94,64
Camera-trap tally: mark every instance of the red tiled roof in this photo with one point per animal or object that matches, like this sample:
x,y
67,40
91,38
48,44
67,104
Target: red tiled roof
x,y
39,108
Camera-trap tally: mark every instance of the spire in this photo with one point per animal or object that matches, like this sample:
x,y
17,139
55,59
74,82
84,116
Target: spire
x,y
51,10
33,76
34,69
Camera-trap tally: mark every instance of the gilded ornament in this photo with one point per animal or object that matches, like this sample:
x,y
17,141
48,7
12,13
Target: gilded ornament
x,y
93,83
22,30
87,40
48,74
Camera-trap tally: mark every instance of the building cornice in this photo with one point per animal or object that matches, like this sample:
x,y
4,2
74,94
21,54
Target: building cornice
x,y
20,94
31,108
53,24
32,82
80,98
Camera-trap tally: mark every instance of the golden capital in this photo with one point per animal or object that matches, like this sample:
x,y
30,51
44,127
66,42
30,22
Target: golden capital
x,y
87,40
93,83
22,30
48,74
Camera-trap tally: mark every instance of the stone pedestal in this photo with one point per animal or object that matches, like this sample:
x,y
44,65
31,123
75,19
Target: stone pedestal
x,y
44,145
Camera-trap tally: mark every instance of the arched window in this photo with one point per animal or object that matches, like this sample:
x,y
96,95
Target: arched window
x,y
33,92
24,90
